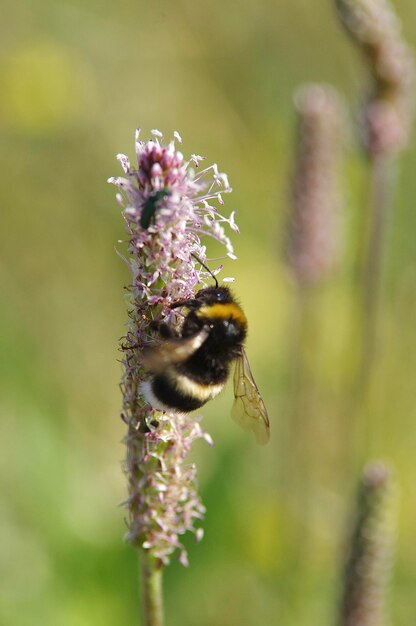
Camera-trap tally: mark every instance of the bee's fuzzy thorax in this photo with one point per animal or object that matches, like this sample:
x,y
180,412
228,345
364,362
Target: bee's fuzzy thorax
x,y
220,311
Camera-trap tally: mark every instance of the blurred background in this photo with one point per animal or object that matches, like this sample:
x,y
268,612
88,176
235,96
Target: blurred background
x,y
76,79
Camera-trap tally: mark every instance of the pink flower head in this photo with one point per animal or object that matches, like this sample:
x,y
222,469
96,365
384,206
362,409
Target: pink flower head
x,y
169,204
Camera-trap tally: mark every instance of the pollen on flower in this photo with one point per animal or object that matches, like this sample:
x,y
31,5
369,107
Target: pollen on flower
x,y
168,206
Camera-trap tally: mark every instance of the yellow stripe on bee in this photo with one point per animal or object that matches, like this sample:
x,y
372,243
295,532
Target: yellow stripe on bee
x,y
223,311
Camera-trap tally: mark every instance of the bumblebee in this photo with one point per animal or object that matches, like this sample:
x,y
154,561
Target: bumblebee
x,y
190,367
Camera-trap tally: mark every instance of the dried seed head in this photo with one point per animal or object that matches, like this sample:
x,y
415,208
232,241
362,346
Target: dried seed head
x,y
370,555
313,241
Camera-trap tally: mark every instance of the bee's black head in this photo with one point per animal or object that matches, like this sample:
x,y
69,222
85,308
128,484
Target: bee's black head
x,y
214,295
215,308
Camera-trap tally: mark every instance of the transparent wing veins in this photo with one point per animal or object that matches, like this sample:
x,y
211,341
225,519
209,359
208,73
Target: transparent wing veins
x,y
248,409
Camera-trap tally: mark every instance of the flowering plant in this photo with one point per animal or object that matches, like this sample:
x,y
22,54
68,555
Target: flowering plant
x,y
168,205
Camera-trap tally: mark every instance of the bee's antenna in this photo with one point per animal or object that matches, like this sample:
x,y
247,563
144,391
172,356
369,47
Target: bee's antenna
x,y
205,267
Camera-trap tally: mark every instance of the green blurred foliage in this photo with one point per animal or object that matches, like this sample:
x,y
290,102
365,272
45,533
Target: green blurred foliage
x,y
76,79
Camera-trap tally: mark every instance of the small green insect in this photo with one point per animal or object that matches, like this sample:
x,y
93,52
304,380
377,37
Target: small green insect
x,y
150,206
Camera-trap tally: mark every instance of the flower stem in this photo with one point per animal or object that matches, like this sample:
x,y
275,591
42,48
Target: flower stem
x,y
152,599
383,186
304,410
381,198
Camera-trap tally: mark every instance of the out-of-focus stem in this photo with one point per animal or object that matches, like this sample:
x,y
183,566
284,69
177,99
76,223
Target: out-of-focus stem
x,y
382,190
301,447
152,600
306,338
382,193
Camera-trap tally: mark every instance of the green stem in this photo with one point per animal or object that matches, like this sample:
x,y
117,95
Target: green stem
x,y
152,600
383,186
300,450
382,192
381,172
382,176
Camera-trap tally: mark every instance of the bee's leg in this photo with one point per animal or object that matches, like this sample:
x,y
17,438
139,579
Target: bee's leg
x,y
133,346
190,304
164,330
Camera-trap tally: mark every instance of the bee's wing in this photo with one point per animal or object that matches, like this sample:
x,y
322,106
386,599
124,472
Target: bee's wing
x,y
248,408
170,351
